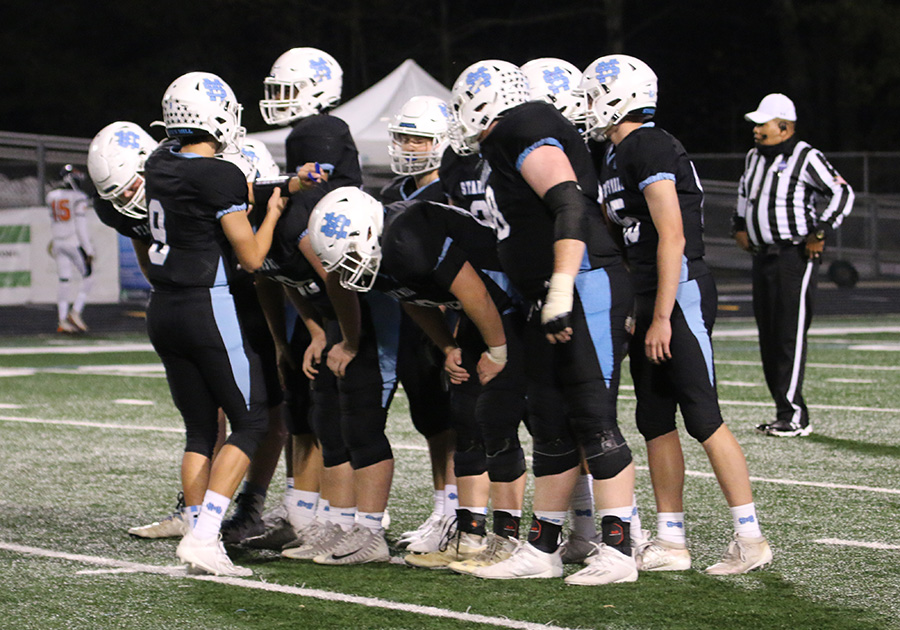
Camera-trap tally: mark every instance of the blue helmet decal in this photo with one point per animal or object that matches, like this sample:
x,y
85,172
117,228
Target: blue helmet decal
x,y
334,225
321,69
215,89
557,80
478,79
127,139
607,70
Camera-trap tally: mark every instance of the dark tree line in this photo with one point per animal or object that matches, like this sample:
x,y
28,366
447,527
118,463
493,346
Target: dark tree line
x,y
71,67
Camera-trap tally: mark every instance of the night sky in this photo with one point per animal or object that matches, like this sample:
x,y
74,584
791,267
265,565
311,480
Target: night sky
x,y
69,68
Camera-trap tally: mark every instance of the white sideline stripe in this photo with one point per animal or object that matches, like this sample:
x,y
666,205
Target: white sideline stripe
x,y
823,331
117,347
752,403
827,366
371,602
416,447
855,543
133,401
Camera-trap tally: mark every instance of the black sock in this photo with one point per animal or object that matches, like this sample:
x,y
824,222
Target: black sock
x,y
505,524
470,523
616,533
544,535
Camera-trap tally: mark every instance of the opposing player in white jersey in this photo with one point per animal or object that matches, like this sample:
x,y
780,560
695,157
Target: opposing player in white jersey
x,y
71,247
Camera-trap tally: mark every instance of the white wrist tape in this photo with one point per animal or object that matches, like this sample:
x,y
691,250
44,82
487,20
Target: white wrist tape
x,y
559,297
497,354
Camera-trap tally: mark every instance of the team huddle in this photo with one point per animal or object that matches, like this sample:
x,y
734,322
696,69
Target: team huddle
x,y
539,227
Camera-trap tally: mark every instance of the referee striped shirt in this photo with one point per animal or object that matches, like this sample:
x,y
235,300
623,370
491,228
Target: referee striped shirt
x,y
777,195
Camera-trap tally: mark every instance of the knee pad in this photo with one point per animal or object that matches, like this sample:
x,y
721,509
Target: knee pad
x,y
555,456
606,454
506,463
469,460
372,453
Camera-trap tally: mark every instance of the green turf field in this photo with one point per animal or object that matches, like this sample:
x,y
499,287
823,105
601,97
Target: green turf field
x,y
90,445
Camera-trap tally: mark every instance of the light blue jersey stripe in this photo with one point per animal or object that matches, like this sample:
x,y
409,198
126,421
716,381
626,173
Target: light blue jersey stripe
x,y
553,142
222,213
443,254
227,323
595,294
689,301
656,178
385,313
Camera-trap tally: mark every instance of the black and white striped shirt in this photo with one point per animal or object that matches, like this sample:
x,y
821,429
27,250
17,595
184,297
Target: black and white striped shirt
x,y
777,195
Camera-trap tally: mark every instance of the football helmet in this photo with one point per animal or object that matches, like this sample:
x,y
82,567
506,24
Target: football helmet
x,y
480,95
199,103
425,117
344,231
72,176
116,165
302,82
253,158
616,85
556,81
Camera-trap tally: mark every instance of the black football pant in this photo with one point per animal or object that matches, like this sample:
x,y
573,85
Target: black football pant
x,y
784,287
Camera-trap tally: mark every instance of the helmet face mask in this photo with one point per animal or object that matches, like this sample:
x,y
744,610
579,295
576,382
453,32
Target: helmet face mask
x,y
302,82
480,95
116,165
344,231
422,123
556,81
615,86
200,103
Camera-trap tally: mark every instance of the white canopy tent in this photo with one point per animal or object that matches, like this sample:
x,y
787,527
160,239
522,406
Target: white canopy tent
x,y
369,113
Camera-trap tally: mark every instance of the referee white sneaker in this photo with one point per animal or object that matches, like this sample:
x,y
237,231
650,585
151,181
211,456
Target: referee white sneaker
x,y
662,555
606,566
208,556
742,555
527,561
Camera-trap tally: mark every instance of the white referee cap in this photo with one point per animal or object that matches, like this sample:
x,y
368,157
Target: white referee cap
x,y
773,106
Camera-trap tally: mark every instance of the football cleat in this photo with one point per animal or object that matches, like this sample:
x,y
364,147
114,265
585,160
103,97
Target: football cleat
x,y
65,327
208,556
278,531
606,566
461,546
360,545
75,319
246,522
319,541
742,555
526,561
423,529
662,555
575,549
497,549
173,526
443,529
785,428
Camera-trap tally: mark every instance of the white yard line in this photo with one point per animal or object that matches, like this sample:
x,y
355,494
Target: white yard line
x,y
855,543
119,566
827,366
816,331
83,349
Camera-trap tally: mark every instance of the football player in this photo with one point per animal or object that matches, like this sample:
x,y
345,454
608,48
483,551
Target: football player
x,y
651,190
556,81
198,221
71,247
554,247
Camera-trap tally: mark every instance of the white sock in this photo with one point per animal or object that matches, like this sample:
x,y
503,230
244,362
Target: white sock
x,y
670,527
581,509
343,517
302,507
438,502
191,512
745,521
289,482
371,520
451,499
635,519
212,511
475,510
557,518
622,513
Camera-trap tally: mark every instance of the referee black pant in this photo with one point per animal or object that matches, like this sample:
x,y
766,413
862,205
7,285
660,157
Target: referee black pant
x,y
784,287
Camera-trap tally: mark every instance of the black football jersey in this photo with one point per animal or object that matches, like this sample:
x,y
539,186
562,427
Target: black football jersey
x,y
324,139
403,188
187,195
523,223
649,154
424,245
464,178
129,227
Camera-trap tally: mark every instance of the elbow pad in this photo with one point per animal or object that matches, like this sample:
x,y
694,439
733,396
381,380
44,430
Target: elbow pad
x,y
568,203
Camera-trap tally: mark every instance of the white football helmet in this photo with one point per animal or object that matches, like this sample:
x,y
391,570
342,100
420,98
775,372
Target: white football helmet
x,y
202,103
301,83
555,81
116,165
253,158
482,92
422,116
616,85
344,231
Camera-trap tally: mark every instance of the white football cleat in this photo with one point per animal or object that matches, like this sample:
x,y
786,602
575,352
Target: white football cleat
x,y
358,546
527,561
316,542
606,566
461,546
662,555
75,319
442,530
208,556
174,525
497,549
415,534
742,555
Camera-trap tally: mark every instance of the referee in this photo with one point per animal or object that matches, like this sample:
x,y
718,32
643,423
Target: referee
x,y
777,221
